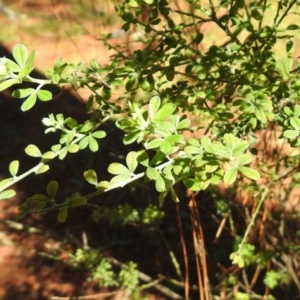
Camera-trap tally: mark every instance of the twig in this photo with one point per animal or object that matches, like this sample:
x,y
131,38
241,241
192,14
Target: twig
x,y
185,255
144,277
88,297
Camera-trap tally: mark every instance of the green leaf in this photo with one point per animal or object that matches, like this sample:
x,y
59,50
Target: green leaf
x,y
230,175
261,115
99,134
148,1
29,102
131,161
87,126
165,147
183,124
131,137
154,105
12,66
174,195
102,186
63,153
22,93
5,183
160,184
8,83
7,194
230,140
94,65
91,177
291,134
20,54
295,122
44,95
250,173
25,71
152,173
170,73
164,112
84,142
240,147
62,215
293,27
288,111
118,169
143,158
244,159
133,3
73,148
93,144
30,59
130,83
33,150
42,169
14,167
49,155
155,143
296,110
121,179
40,198
78,201
52,188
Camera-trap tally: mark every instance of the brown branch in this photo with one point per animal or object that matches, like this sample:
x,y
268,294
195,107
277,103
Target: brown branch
x,y
185,256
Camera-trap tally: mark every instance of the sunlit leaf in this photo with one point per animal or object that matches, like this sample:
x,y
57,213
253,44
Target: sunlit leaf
x,y
164,112
291,134
33,150
118,169
230,175
152,173
8,83
7,194
14,167
44,95
131,161
29,102
250,173
20,54
42,169
160,184
154,105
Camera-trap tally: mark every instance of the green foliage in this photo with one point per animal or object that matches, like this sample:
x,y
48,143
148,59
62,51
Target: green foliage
x,y
103,272
174,91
